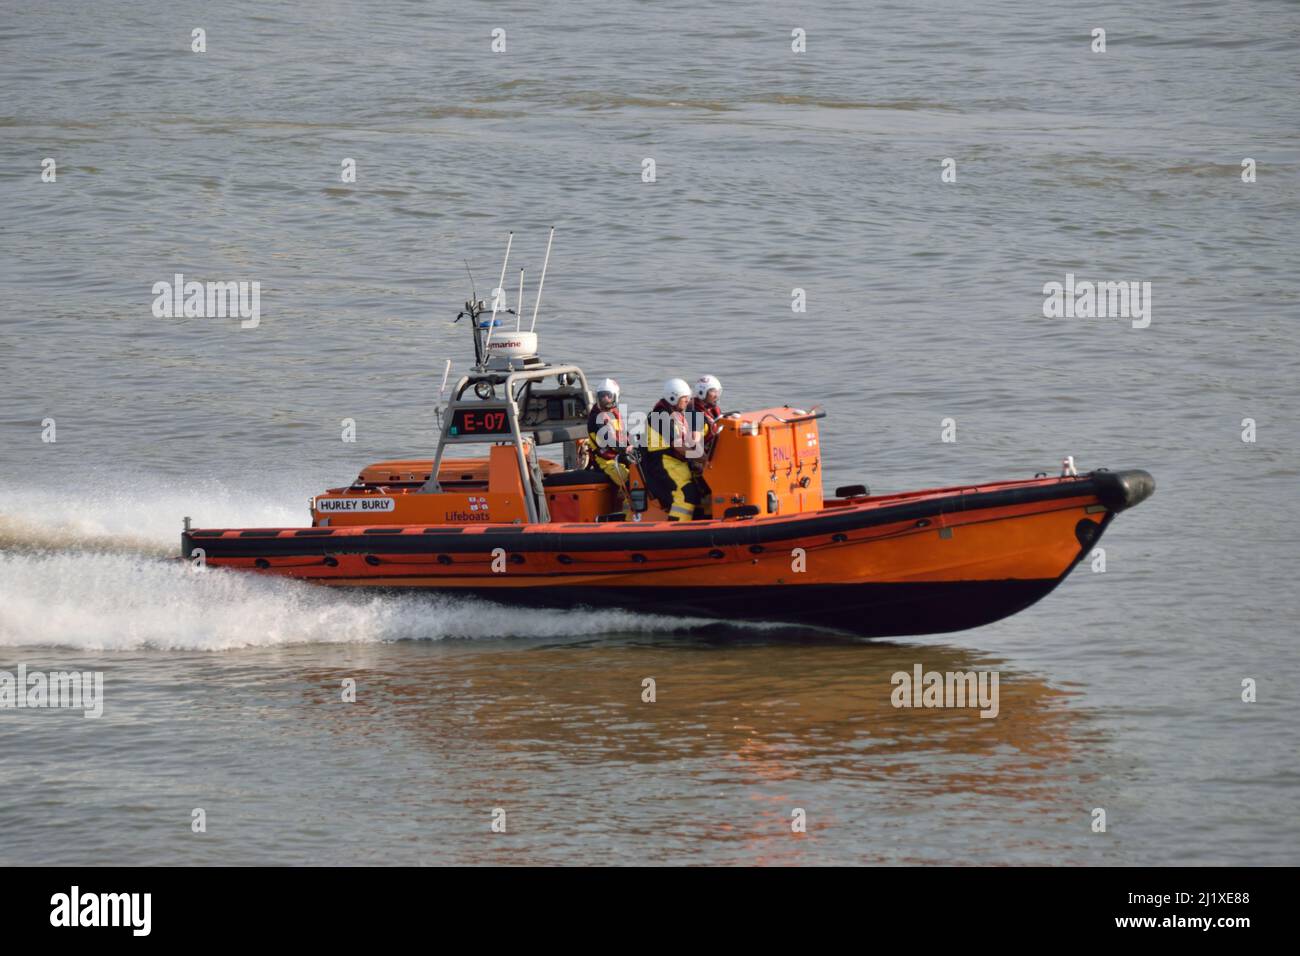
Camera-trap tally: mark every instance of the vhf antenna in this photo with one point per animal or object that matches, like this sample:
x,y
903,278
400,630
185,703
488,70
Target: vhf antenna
x,y
500,293
519,306
473,290
537,303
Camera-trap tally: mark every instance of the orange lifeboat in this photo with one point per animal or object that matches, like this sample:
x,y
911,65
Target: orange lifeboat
x,y
915,563
774,549
514,527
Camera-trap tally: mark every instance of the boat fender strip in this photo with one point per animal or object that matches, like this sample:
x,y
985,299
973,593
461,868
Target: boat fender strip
x,y
1120,490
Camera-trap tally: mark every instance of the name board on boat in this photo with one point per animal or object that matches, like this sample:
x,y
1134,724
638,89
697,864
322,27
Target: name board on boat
x,y
337,505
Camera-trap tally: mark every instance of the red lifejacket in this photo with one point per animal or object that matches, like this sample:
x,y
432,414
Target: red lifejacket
x,y
710,413
670,440
709,410
598,419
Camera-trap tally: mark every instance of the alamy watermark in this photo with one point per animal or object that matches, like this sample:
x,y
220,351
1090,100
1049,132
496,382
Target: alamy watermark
x,y
948,689
72,690
1098,300
208,300
687,435
75,908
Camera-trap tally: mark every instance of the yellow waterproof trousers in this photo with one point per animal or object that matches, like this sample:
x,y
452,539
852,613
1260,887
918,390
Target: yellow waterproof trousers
x,y
683,508
617,473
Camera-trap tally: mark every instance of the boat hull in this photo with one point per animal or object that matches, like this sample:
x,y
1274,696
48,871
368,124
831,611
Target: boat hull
x,y
917,563
865,610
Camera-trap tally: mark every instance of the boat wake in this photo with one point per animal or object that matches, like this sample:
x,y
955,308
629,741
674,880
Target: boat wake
x,y
103,575
135,516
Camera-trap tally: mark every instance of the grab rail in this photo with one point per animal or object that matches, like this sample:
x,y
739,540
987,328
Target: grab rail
x,y
816,412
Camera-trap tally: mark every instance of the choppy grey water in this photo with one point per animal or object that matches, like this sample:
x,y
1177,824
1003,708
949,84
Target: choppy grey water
x,y
774,170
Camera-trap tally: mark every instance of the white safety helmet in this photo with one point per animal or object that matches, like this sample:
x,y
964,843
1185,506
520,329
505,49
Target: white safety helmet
x,y
607,386
705,383
675,389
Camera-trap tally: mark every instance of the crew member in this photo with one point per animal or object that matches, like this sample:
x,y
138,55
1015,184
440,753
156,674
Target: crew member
x,y
606,436
708,393
670,445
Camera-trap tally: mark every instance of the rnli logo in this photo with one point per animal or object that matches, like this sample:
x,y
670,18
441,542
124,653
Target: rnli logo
x,y
477,504
367,505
